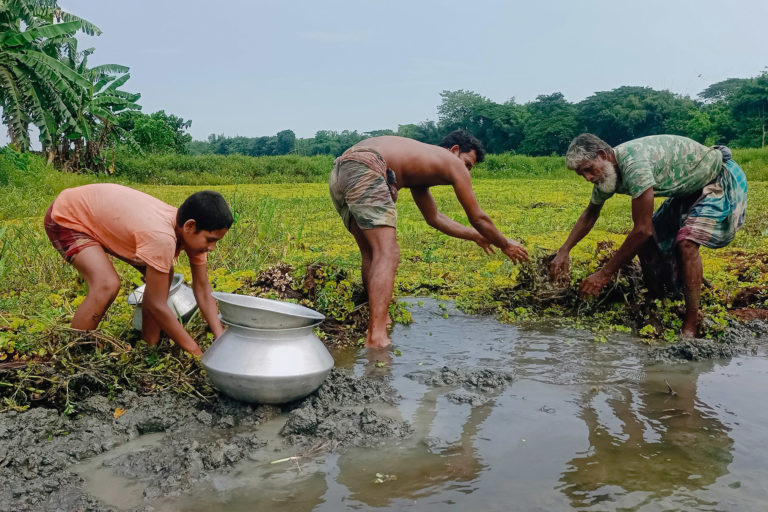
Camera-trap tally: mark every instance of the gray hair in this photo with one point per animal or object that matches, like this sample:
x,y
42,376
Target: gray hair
x,y
584,147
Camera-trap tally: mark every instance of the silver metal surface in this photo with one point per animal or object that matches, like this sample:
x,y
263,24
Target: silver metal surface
x,y
261,313
269,366
181,300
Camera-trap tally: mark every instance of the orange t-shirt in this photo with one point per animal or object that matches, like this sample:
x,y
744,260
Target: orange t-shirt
x,y
131,224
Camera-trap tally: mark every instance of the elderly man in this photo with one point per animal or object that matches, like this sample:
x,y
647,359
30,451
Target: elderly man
x,y
707,199
364,185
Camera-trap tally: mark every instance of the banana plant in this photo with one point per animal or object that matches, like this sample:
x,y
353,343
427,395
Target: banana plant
x,y
35,86
95,124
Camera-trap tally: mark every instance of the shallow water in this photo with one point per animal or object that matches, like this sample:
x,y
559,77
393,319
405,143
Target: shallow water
x,y
580,424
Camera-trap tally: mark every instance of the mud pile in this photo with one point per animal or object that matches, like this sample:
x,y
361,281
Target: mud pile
x,y
39,448
737,339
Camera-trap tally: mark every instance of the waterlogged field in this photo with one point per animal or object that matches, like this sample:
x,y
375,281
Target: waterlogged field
x,y
288,242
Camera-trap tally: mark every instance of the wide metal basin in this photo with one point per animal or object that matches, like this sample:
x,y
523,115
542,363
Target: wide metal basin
x,y
268,366
181,300
259,313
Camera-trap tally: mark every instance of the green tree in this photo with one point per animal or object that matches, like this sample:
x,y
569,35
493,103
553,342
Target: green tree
x,y
286,141
630,112
157,132
35,87
722,90
498,126
749,108
426,131
550,125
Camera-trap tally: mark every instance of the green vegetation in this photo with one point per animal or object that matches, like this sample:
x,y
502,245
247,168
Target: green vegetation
x,y
289,243
730,112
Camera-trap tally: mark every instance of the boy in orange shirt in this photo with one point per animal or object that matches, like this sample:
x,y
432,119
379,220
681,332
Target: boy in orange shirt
x,y
86,223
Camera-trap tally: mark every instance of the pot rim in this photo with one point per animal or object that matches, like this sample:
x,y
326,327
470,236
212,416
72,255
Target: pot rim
x,y
286,330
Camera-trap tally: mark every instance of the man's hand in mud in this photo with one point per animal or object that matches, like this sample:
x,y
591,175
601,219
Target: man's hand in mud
x,y
515,251
485,245
560,268
592,285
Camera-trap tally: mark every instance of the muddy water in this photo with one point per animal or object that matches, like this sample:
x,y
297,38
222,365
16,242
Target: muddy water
x,y
506,418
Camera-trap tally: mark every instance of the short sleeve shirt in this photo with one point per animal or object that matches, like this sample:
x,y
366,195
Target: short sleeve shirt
x,y
133,225
674,166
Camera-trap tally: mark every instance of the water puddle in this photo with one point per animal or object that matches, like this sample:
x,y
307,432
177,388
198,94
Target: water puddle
x,y
512,418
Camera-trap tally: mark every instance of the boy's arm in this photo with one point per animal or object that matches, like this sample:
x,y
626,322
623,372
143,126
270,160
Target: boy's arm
x,y
205,301
155,301
462,186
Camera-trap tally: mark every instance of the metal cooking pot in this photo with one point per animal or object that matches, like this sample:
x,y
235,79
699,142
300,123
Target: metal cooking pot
x,y
259,313
269,366
181,300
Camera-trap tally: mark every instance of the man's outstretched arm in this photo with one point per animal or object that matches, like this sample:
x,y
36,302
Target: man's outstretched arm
x,y
642,230
560,265
480,220
426,203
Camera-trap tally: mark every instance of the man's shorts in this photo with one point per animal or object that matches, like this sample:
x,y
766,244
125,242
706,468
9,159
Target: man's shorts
x,y
67,241
710,218
359,190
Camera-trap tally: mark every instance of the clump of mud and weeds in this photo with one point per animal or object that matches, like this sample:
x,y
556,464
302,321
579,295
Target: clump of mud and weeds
x,y
39,448
627,304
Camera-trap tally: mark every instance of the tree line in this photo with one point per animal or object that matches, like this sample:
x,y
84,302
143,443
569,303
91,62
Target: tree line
x,y
729,112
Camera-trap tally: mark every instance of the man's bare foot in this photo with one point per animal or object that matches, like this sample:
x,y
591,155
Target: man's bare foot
x,y
377,342
688,333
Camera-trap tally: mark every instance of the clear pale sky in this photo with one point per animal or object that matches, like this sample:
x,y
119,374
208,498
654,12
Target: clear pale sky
x,y
254,67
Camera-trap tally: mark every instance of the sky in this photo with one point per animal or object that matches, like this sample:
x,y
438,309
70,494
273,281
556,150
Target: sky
x,y
255,67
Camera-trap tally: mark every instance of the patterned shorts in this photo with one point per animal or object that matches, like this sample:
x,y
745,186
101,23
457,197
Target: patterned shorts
x,y
360,191
67,241
709,218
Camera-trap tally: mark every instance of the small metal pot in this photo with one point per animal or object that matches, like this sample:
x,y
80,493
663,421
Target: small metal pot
x,y
181,300
268,366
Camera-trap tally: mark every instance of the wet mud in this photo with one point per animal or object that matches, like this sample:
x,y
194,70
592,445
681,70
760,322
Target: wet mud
x,y
42,453
738,338
40,449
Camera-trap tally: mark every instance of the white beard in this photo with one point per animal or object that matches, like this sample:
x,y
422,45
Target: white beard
x,y
608,183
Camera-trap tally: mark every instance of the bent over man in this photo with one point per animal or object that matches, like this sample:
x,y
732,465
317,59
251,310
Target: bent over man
x,y
364,184
707,199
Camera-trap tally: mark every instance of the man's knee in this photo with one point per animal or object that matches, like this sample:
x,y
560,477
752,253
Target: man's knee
x,y
688,248
395,253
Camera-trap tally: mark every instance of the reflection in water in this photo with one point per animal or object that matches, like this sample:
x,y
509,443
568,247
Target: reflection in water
x,y
655,438
420,469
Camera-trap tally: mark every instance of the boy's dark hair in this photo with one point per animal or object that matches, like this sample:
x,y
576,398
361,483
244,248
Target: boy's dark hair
x,y
466,143
208,209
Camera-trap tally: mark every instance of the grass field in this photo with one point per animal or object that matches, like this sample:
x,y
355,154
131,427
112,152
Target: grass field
x,y
295,224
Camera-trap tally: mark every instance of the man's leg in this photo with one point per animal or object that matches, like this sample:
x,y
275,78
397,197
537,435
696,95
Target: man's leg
x,y
690,262
385,256
367,257
651,260
103,286
365,251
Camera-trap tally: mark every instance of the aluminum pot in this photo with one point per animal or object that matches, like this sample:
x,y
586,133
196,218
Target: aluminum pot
x,y
261,313
181,300
269,366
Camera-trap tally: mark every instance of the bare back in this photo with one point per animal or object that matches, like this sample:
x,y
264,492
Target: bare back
x,y
415,163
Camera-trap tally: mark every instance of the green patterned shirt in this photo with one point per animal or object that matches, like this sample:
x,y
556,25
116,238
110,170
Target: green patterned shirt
x,y
670,164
